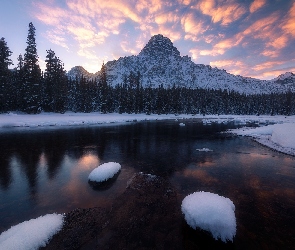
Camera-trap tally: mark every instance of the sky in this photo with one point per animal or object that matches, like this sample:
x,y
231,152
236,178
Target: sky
x,y
254,38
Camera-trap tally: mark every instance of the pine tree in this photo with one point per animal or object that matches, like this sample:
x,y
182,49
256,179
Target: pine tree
x,y
55,80
103,90
19,79
32,75
5,83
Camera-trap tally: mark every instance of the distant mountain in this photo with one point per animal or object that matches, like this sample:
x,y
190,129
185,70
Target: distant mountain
x,y
159,62
286,79
79,71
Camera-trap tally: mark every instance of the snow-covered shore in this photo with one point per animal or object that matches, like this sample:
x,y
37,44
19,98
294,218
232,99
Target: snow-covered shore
x,y
263,134
14,120
280,137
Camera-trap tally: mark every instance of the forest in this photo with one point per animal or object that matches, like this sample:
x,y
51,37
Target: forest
x,y
27,89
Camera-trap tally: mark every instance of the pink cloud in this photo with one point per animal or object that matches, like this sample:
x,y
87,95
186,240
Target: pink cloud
x,y
151,6
267,65
224,12
272,73
57,39
263,29
235,67
86,26
257,4
289,23
164,18
192,26
49,15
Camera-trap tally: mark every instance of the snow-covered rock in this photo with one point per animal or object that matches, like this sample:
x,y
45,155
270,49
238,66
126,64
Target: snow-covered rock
x,y
31,234
104,172
204,150
79,71
160,63
210,212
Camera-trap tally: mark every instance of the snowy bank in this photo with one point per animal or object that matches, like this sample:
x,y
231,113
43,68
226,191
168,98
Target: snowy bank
x,y
212,213
280,137
31,234
104,172
50,120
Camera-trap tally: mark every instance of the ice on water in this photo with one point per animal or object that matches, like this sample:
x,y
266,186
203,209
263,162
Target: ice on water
x,y
212,213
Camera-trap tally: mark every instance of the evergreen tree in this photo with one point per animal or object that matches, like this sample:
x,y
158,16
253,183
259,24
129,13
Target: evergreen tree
x,y
5,83
55,81
19,79
31,86
103,90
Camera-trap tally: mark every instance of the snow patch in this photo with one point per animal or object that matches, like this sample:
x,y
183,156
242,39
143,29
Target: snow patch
x,y
31,234
212,213
181,124
204,150
284,135
104,172
280,137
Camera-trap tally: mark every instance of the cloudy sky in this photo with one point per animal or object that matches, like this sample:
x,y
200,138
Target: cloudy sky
x,y
253,38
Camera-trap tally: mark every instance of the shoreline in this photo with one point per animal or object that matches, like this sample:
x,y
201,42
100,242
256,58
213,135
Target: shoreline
x,y
18,122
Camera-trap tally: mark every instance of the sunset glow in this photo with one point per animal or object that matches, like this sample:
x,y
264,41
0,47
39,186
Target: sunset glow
x,y
251,38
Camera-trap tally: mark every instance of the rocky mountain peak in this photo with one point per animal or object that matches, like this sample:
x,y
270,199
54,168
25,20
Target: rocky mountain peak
x,y
159,45
286,78
78,71
160,63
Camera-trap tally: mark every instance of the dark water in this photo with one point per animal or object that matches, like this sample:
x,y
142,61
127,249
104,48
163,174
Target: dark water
x,y
47,171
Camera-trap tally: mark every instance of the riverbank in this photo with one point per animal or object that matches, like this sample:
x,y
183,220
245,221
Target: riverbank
x,y
48,120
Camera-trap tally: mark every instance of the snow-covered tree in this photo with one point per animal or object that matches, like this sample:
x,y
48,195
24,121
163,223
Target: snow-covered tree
x,y
5,82
32,75
55,80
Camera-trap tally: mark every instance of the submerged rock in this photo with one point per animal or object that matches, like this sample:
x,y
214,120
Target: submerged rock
x,y
145,216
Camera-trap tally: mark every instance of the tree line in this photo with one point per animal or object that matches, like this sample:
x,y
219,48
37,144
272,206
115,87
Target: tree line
x,y
29,90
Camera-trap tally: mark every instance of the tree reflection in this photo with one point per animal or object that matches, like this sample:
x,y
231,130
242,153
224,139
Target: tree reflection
x,y
29,158
5,171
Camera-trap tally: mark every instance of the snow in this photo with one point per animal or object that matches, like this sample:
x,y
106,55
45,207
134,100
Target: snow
x,y
31,234
160,63
53,120
104,172
13,121
284,135
204,150
210,212
280,137
181,124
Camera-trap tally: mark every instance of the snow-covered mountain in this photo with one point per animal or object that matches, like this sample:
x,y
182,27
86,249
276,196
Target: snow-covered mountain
x,y
159,62
79,71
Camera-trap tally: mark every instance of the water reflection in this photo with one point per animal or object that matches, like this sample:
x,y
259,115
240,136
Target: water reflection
x,y
47,171
5,172
261,184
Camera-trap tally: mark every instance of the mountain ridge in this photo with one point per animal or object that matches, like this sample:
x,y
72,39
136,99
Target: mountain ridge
x,y
160,63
